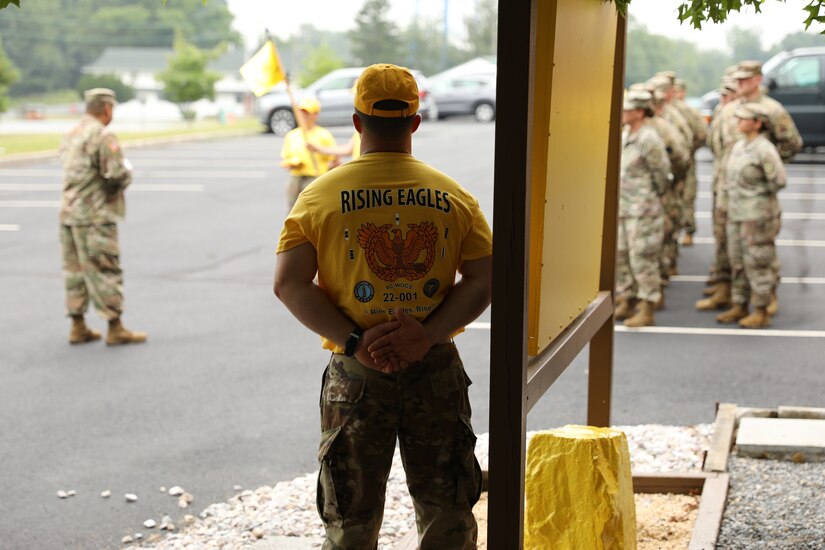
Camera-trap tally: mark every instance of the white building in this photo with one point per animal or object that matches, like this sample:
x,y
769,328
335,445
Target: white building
x,y
137,68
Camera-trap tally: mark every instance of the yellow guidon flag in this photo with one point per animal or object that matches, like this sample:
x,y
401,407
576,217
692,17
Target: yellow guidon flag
x,y
264,69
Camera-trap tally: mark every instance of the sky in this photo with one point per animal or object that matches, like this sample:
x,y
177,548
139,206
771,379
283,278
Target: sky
x,y
283,17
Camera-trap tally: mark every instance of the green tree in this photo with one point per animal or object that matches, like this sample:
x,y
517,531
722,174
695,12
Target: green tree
x,y
8,75
186,78
746,44
482,28
51,40
296,50
425,44
123,91
375,38
799,40
322,60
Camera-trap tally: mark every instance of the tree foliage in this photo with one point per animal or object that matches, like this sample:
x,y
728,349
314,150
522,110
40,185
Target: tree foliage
x,y
8,75
51,40
186,79
375,38
321,60
123,91
482,28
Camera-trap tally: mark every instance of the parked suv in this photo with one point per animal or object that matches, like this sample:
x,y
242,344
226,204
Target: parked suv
x,y
334,92
471,94
796,79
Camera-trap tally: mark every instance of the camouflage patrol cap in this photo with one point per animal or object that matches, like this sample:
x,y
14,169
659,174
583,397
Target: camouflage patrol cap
x,y
670,75
104,95
661,83
637,99
727,86
747,69
657,96
730,70
753,111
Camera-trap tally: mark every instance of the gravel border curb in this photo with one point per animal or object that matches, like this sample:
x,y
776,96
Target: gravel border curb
x,y
23,158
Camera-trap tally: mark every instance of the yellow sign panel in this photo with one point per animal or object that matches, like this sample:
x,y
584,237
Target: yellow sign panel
x,y
575,42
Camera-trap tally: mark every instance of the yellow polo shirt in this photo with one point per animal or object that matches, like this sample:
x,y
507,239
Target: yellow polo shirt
x,y
294,150
390,232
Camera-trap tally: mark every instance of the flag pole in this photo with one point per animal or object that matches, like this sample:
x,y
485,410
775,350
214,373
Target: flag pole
x,y
298,119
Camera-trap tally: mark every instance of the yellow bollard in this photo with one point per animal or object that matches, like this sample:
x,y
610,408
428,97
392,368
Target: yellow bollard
x,y
579,491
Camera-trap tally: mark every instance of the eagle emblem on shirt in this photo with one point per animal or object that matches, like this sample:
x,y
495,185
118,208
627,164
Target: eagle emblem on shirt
x,y
392,255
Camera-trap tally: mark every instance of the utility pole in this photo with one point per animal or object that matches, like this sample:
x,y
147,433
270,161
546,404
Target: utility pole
x,y
446,46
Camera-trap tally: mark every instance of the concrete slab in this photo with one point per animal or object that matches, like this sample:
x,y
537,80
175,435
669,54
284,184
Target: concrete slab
x,y
782,438
287,543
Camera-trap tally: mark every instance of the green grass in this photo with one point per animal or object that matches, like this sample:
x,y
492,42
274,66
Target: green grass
x,y
30,143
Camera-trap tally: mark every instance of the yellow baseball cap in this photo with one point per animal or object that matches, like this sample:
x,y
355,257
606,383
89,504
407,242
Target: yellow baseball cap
x,y
310,105
383,82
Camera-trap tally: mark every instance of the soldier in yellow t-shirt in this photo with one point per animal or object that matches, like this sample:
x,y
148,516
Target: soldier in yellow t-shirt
x,y
386,236
304,165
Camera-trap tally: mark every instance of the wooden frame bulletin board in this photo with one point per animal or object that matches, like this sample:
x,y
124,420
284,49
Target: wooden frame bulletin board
x,y
558,123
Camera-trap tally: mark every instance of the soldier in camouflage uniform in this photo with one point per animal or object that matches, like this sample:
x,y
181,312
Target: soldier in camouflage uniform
x,y
754,174
674,205
645,175
386,304
699,128
782,132
95,177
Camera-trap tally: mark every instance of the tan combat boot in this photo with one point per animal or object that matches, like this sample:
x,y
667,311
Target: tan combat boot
x,y
81,333
773,307
719,299
709,290
643,317
733,315
625,307
687,240
758,319
119,335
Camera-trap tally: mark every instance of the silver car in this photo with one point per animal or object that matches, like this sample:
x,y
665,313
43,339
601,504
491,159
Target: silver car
x,y
470,94
334,92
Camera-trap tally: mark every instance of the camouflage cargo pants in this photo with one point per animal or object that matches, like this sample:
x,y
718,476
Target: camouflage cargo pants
x,y
672,205
689,199
91,269
753,260
721,261
638,258
427,409
294,186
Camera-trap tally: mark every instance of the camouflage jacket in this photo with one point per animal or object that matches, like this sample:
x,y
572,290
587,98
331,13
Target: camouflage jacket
x,y
754,175
672,115
781,129
677,150
95,174
644,175
696,122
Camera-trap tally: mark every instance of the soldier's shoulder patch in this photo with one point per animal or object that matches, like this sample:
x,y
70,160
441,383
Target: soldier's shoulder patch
x,y
769,168
112,144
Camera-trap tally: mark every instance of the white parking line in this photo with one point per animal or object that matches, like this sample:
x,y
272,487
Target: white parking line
x,y
785,215
160,187
9,227
779,242
792,180
782,195
212,174
784,280
701,331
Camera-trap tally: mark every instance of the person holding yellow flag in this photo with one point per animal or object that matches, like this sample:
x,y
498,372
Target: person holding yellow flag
x,y
304,165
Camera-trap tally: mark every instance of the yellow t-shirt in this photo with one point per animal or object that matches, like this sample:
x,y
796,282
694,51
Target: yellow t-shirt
x,y
390,232
294,150
356,145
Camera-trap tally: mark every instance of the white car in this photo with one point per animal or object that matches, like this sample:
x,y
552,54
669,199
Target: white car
x,y
334,92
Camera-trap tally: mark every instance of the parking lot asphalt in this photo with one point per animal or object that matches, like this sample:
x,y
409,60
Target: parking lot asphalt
x,y
225,392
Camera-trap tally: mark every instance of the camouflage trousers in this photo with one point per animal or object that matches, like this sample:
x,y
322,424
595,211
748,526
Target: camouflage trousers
x,y
91,269
427,409
753,261
294,186
721,259
689,199
638,258
672,205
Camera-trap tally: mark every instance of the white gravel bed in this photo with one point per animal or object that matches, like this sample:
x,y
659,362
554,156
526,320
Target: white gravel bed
x,y
774,504
288,508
